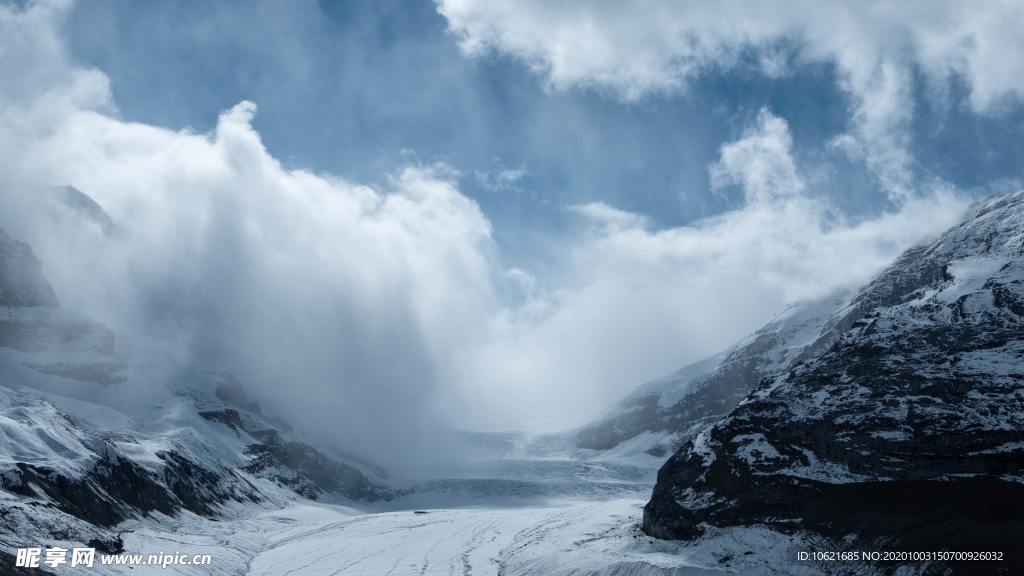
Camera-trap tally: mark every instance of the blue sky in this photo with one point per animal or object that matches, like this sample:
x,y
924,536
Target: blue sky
x,y
496,214
359,88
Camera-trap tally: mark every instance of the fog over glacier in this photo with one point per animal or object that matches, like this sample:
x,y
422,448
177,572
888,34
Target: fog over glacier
x,y
379,317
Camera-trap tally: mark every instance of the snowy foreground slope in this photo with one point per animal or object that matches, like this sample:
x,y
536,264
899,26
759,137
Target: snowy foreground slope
x,y
906,432
595,537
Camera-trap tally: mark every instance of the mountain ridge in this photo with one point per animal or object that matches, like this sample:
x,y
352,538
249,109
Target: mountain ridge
x,y
907,428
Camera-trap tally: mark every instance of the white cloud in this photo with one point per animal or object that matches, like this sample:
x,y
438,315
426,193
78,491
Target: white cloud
x,y
326,295
609,217
639,303
338,302
370,311
635,48
761,163
501,179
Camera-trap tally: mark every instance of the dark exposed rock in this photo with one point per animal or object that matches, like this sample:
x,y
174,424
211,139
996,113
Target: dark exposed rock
x,y
111,545
228,417
276,455
308,471
116,488
105,497
907,426
200,490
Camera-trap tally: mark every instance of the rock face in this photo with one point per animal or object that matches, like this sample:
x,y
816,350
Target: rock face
x,y
274,453
677,407
902,424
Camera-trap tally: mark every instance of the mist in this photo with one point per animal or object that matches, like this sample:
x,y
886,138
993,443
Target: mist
x,y
379,318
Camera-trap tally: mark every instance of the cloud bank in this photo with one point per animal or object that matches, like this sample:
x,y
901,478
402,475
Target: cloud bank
x,y
638,303
636,48
336,301
373,316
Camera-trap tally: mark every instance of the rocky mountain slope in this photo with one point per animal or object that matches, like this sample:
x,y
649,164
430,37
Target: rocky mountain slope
x,y
902,427
661,415
89,439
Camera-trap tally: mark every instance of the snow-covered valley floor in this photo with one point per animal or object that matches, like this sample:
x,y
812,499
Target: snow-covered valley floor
x,y
573,537
519,540
553,514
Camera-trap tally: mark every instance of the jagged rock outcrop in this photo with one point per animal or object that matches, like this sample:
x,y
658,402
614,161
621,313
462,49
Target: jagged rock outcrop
x,y
276,454
77,482
906,427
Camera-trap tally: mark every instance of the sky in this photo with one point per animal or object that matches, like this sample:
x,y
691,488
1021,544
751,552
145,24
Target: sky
x,y
489,214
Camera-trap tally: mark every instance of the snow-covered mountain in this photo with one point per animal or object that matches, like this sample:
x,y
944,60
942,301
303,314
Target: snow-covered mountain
x,y
889,418
88,439
902,427
661,415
